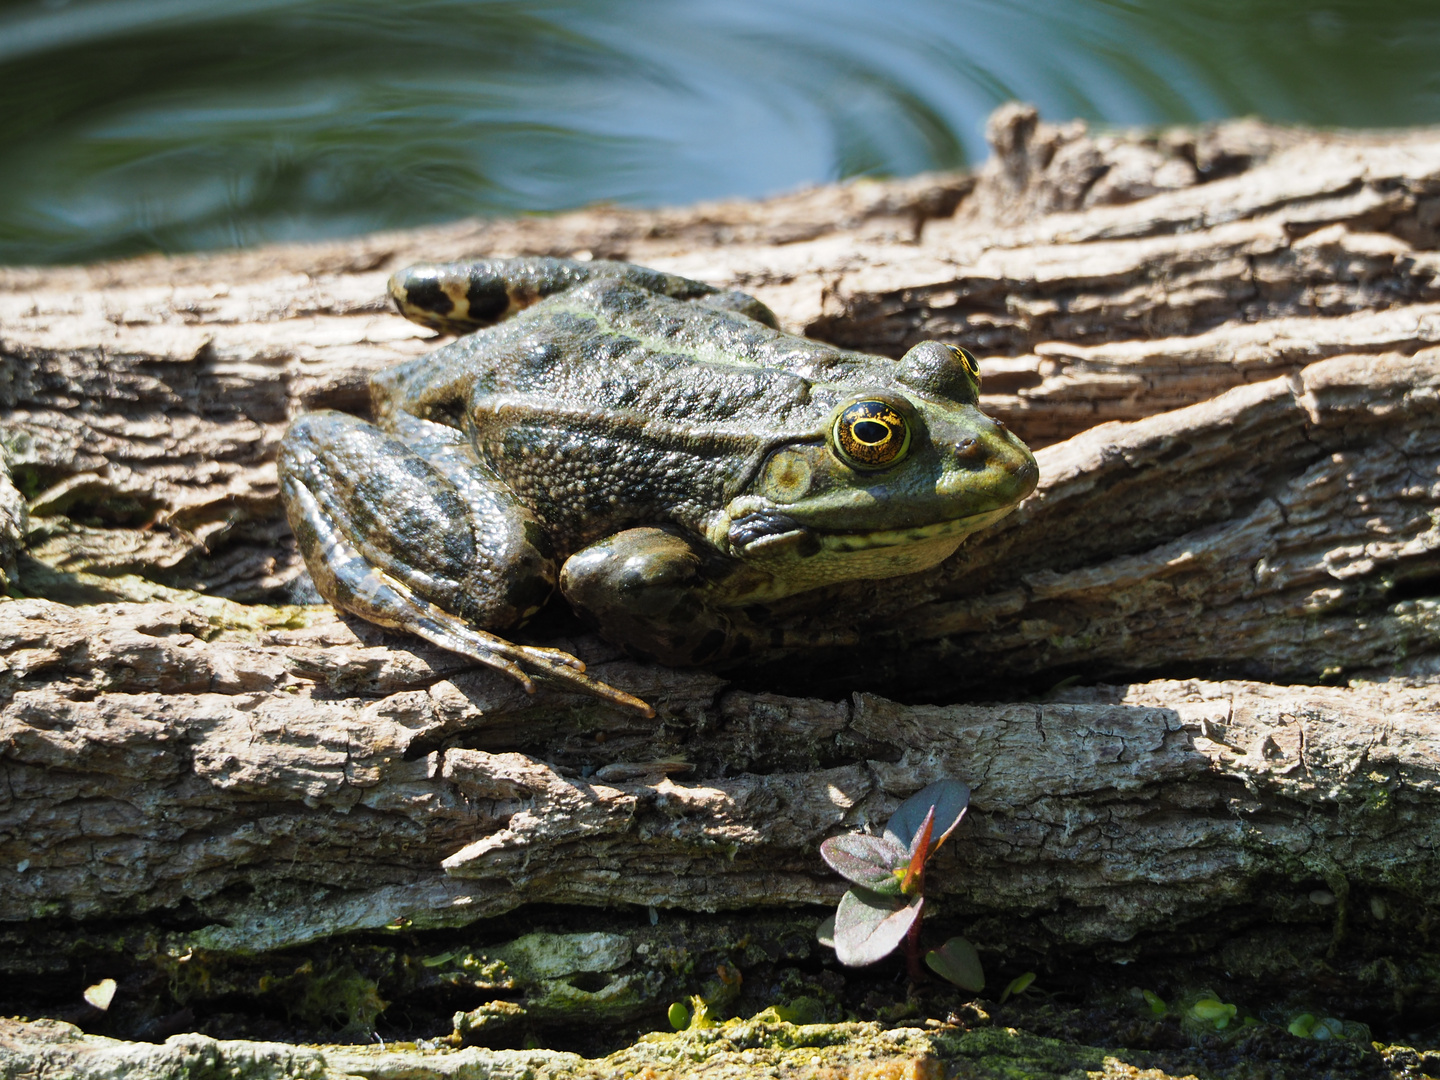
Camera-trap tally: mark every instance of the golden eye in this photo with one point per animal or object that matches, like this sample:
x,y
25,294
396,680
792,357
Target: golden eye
x,y
971,364
871,435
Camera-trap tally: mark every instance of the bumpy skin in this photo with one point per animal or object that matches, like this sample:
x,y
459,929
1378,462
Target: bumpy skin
x,y
655,445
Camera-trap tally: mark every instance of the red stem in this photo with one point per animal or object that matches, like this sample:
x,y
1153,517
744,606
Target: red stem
x,y
912,950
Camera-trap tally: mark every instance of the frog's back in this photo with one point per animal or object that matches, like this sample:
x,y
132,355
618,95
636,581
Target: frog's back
x,y
611,345
609,405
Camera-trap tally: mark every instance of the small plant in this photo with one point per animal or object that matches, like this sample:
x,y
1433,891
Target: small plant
x,y
1153,1001
1210,1010
885,906
1324,1028
1018,985
691,1019
706,1006
1203,1013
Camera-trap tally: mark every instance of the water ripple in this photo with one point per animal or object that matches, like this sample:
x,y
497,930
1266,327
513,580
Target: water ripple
x,y
136,125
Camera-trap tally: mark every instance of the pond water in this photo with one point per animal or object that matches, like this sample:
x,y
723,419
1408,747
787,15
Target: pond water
x,y
140,125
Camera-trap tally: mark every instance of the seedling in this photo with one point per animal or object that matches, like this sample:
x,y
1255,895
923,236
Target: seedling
x,y
1324,1028
885,906
1018,985
1211,1010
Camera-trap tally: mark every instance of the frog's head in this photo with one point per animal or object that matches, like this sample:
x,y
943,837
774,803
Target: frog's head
x,y
903,474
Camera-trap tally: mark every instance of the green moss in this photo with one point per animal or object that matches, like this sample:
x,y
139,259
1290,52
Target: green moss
x,y
1016,1055
761,1046
26,480
480,969
341,999
798,1010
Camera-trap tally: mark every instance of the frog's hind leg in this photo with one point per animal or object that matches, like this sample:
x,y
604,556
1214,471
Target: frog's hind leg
x,y
458,298
417,534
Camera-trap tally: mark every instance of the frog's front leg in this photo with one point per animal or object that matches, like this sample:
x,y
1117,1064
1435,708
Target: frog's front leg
x,y
412,531
662,595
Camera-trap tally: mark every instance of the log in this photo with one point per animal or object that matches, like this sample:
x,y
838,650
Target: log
x,y
1193,682
154,758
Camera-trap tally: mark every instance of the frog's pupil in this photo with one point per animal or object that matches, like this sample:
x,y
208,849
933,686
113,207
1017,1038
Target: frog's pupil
x,y
871,432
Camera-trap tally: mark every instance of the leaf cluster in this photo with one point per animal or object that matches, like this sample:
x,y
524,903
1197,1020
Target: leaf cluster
x,y
888,872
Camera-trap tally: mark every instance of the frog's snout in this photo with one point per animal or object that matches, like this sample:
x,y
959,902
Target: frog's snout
x,y
986,471
1027,476
1013,459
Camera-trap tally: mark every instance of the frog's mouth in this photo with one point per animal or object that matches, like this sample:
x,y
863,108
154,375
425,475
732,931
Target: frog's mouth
x,y
770,531
961,527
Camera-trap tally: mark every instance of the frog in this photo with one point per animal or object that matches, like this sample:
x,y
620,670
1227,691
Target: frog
x,y
656,449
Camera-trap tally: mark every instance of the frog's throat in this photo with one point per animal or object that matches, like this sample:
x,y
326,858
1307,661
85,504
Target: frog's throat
x,y
896,537
916,534
808,541
803,559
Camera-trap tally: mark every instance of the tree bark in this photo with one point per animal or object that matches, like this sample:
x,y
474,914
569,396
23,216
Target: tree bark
x,y
155,756
1225,343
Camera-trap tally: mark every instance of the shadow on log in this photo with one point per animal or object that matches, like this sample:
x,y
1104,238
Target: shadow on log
x,y
1192,681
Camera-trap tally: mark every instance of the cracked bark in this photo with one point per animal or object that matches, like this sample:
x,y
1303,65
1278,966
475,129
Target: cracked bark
x,y
1225,342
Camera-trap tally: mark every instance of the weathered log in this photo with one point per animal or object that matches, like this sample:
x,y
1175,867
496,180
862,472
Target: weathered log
x,y
156,755
763,1047
1228,344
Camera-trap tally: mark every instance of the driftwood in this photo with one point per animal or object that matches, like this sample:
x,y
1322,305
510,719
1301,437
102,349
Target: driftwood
x,y
1226,343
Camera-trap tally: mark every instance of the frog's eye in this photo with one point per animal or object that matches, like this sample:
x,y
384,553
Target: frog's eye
x,y
971,365
942,370
871,435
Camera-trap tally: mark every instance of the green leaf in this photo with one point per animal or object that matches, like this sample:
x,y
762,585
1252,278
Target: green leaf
x,y
949,798
1211,1010
1017,985
1309,1026
679,1016
871,861
825,932
957,961
1155,1001
868,925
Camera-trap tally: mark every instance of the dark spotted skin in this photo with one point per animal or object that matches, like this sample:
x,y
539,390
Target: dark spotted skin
x,y
456,298
653,445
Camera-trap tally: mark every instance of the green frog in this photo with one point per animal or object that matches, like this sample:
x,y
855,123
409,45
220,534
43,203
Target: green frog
x,y
656,447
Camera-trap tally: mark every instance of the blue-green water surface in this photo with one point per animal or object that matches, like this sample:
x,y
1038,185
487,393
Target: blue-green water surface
x,y
138,125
